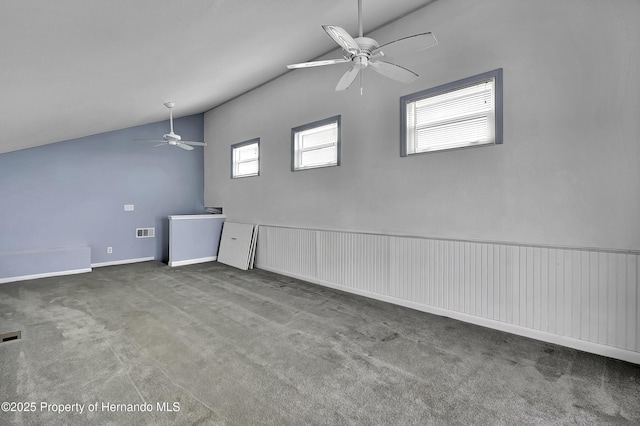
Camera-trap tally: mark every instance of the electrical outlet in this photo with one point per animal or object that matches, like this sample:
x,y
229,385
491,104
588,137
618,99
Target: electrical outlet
x,y
109,250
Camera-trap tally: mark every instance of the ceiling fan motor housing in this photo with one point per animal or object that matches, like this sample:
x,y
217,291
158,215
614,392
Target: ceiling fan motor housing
x,y
366,44
361,58
172,137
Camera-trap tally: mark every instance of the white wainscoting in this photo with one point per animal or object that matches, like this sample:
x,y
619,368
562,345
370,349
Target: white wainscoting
x,y
587,299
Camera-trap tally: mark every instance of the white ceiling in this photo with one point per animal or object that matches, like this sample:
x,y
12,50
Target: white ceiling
x,y
72,68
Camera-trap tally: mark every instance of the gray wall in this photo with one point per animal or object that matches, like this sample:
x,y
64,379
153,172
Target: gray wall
x,y
72,193
569,170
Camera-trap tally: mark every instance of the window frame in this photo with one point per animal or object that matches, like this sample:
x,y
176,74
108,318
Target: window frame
x,y
335,119
449,87
240,145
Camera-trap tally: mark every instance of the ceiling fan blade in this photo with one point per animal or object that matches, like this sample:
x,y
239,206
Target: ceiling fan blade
x,y
342,37
194,143
347,78
317,63
406,45
160,144
394,71
149,140
184,146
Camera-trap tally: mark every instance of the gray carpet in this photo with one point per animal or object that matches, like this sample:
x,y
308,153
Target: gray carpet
x,y
221,346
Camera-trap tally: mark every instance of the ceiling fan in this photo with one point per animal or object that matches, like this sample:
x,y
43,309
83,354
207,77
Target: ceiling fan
x,y
171,138
365,52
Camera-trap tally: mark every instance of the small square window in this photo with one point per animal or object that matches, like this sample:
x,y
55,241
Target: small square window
x,y
461,114
316,144
245,159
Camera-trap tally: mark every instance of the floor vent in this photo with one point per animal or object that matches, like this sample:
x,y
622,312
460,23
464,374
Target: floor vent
x,y
145,232
7,337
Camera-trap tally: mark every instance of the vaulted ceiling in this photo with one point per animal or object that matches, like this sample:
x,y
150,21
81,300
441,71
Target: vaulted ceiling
x,y
72,68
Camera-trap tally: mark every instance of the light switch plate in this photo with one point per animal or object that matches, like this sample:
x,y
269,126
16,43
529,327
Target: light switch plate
x,y
128,207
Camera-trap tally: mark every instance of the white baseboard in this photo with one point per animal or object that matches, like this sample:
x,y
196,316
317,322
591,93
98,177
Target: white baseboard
x,y
192,261
583,345
44,275
122,262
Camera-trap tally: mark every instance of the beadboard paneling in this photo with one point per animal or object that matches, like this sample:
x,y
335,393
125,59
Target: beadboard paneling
x,y
582,295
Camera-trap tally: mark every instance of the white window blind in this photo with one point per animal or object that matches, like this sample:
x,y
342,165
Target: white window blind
x,y
460,117
316,144
245,159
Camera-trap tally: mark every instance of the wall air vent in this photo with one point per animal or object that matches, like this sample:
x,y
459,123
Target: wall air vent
x,y
145,232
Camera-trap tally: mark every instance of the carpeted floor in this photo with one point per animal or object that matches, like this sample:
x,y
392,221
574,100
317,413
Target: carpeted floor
x,y
209,344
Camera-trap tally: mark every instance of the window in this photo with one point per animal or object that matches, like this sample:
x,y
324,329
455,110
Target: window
x,y
464,113
316,144
245,159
